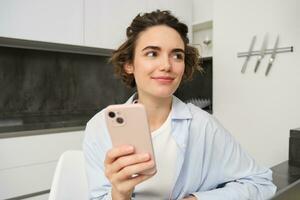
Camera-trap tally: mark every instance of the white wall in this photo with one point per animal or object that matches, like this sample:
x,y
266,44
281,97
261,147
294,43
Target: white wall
x,y
259,111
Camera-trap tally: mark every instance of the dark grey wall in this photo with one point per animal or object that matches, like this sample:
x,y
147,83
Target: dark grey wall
x,y
34,82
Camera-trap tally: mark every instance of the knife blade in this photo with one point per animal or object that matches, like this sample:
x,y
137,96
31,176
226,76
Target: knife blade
x,y
249,54
262,53
272,58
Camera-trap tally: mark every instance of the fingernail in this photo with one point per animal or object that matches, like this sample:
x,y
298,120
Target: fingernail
x,y
146,155
129,148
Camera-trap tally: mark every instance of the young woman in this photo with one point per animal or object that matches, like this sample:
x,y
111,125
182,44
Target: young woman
x,y
196,157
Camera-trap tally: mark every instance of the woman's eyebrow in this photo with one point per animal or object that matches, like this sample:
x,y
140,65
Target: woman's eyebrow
x,y
178,50
158,49
151,47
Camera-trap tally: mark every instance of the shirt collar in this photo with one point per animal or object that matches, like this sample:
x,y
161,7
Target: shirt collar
x,y
179,109
131,99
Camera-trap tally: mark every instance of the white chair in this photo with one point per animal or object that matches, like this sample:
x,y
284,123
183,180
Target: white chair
x,y
70,181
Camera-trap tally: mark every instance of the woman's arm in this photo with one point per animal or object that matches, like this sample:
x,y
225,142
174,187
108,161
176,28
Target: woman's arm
x,y
224,169
233,168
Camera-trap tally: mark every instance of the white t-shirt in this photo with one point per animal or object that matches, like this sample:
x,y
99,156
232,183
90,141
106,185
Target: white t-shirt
x,y
160,185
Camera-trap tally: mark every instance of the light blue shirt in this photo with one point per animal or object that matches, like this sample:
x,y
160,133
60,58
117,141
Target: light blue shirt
x,y
211,165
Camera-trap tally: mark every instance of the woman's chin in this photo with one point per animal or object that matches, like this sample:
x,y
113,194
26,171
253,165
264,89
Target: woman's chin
x,y
164,93
159,92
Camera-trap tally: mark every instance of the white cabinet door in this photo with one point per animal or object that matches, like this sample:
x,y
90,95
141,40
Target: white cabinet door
x,y
59,21
27,163
27,179
106,21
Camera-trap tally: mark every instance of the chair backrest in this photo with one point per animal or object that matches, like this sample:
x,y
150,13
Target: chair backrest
x,y
70,181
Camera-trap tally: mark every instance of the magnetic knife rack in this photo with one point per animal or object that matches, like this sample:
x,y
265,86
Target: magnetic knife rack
x,y
263,51
268,51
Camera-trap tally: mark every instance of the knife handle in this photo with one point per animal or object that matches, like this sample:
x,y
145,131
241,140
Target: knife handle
x,y
257,64
269,66
244,65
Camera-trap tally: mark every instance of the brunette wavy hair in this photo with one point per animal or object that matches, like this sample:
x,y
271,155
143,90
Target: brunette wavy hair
x,y
125,53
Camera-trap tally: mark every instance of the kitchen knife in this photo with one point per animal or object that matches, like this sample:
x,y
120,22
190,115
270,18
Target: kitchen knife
x,y
248,55
262,52
272,58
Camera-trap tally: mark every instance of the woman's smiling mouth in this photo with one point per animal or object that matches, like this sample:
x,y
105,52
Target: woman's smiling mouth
x,y
163,79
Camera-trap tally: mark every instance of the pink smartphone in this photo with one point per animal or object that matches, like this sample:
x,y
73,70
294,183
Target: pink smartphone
x,y
128,124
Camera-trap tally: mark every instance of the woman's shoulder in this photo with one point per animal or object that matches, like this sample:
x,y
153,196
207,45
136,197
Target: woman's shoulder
x,y
206,126
97,119
96,130
96,125
201,118
198,113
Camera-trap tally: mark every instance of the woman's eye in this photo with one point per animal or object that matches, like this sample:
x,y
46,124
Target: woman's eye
x,y
178,56
151,54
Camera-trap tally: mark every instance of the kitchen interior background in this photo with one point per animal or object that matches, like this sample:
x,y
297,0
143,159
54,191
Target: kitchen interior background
x,y
67,38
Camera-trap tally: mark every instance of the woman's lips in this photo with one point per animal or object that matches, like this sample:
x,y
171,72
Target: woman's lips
x,y
163,79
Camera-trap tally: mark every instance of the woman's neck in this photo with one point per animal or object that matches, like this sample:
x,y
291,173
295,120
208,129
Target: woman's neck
x,y
157,109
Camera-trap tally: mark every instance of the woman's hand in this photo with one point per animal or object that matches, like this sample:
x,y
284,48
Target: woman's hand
x,y
122,168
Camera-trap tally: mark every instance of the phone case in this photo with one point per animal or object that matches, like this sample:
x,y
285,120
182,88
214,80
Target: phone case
x,y
129,125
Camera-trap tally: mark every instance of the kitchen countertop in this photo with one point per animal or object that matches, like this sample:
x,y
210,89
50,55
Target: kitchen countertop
x,y
38,125
285,174
35,125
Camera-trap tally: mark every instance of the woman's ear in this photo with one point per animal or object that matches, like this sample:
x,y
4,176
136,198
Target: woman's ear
x,y
128,67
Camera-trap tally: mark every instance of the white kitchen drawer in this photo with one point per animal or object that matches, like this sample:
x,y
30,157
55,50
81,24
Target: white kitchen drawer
x,y
29,150
26,180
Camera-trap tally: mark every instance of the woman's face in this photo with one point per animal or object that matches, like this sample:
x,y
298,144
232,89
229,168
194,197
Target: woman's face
x,y
158,64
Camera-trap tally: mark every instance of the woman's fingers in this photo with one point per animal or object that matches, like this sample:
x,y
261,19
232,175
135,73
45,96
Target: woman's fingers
x,y
125,161
123,168
116,152
131,170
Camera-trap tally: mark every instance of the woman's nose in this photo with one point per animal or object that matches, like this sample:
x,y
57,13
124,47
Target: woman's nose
x,y
165,64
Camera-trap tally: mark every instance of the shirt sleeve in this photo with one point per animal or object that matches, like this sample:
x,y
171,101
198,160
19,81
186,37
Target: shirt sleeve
x,y
238,174
95,145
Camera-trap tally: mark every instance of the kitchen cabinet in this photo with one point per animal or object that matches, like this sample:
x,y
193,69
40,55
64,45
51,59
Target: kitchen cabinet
x,y
28,163
90,23
106,21
203,38
203,27
58,21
